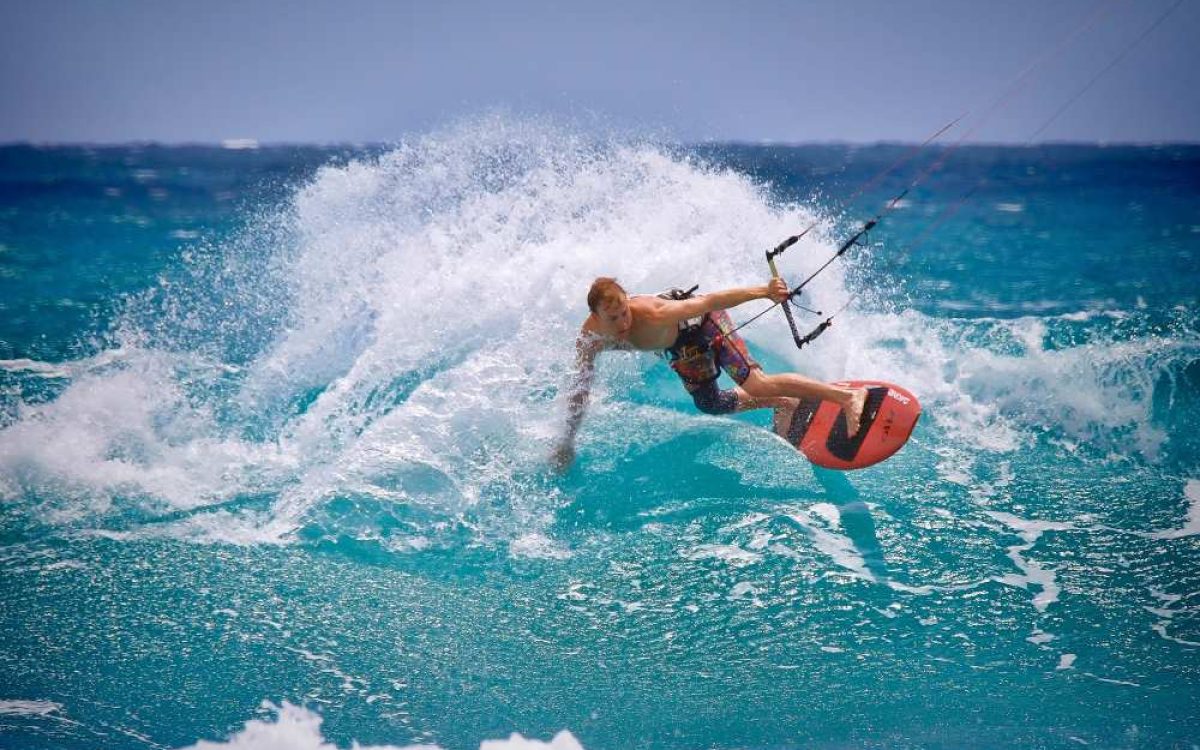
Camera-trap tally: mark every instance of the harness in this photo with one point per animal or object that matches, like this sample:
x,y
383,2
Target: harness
x,y
692,356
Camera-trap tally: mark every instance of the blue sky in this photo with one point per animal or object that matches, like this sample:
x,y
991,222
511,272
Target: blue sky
x,y
366,71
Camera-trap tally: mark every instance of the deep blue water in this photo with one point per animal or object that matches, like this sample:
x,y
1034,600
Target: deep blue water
x,y
274,422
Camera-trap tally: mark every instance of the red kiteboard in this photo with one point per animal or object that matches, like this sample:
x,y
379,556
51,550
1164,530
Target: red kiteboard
x,y
818,428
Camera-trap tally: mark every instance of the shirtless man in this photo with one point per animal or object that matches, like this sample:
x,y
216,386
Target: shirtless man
x,y
697,353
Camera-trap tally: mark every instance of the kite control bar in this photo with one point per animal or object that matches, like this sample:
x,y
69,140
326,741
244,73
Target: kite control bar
x,y
808,338
787,307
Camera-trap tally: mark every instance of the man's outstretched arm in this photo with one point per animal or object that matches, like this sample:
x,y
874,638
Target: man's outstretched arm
x,y
586,348
675,312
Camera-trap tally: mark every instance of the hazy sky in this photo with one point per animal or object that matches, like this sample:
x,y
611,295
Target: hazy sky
x,y
356,71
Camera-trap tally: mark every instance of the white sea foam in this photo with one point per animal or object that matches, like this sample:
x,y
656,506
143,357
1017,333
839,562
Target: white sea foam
x,y
564,740
429,306
746,590
402,328
63,565
1033,572
1166,613
41,369
730,553
298,728
1040,637
537,545
838,547
130,432
1111,681
29,708
1191,524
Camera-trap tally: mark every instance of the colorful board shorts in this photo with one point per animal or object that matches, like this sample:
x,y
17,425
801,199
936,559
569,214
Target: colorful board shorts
x,y
699,355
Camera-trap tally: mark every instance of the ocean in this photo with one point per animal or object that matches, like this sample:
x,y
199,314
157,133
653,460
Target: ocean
x,y
274,428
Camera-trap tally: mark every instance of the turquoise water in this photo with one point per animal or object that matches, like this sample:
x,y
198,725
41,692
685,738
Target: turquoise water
x,y
273,429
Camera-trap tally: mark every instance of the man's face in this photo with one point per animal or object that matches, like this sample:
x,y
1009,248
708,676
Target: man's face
x,y
616,316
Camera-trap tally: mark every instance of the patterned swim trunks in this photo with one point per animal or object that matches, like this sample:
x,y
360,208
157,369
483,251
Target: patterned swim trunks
x,y
699,355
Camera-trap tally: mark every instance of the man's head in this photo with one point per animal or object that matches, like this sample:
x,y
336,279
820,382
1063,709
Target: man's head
x,y
608,302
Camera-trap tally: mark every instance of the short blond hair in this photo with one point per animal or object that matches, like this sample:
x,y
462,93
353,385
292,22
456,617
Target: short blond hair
x,y
604,289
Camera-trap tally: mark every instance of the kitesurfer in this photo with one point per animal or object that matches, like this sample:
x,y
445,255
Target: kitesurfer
x,y
698,338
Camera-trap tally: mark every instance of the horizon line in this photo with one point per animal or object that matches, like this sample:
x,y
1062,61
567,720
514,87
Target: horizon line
x,y
251,144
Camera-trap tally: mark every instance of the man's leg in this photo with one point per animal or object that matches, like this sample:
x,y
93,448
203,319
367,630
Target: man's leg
x,y
784,407
758,384
735,358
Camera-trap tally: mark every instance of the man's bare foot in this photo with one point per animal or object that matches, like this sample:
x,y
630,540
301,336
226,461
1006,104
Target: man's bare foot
x,y
853,409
